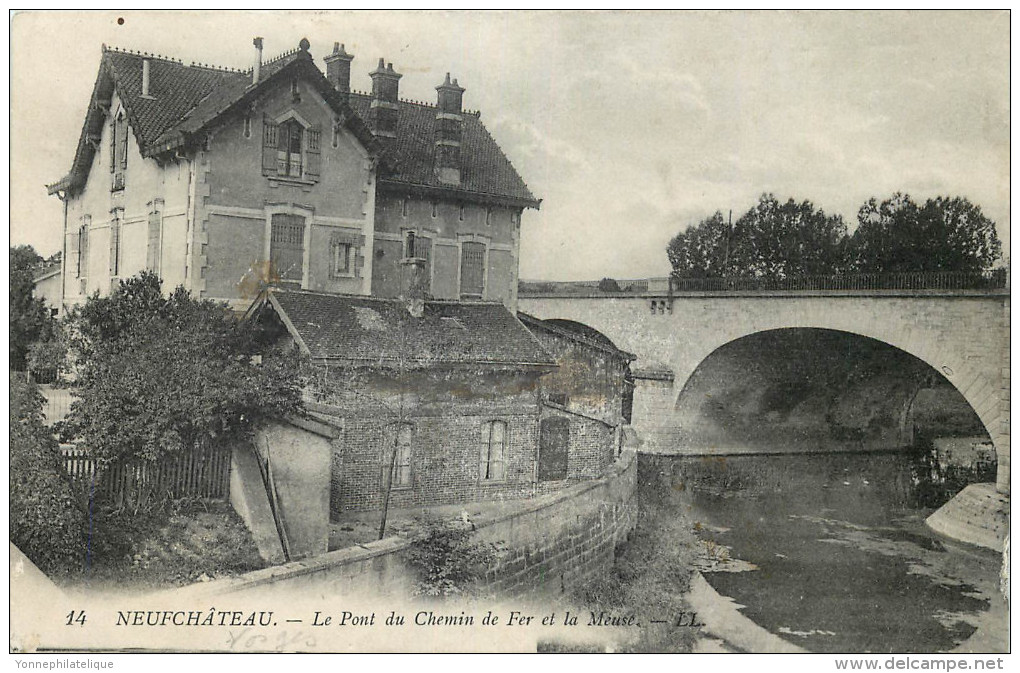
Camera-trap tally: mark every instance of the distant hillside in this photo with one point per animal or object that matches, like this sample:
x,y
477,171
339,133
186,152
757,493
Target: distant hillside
x,y
582,288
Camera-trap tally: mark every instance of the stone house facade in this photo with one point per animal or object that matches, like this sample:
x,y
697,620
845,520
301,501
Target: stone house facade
x,y
223,181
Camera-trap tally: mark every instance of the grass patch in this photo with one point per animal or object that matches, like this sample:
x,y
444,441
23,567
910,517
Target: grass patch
x,y
172,544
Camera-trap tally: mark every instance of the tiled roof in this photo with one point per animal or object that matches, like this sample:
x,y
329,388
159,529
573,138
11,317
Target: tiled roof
x,y
184,99
410,157
370,330
576,331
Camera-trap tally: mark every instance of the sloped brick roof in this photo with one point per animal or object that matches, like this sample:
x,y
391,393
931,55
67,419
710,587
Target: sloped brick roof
x,y
375,331
185,99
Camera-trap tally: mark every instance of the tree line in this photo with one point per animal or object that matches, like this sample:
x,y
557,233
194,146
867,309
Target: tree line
x,y
780,240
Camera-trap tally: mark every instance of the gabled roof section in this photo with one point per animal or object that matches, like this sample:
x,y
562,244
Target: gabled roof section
x,y
185,100
410,157
370,331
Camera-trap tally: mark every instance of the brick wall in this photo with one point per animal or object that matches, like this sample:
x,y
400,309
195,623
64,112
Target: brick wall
x,y
554,543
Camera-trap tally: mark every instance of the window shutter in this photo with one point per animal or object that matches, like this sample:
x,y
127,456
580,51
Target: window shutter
x,y
83,247
270,136
114,247
472,269
122,141
153,252
113,146
72,252
313,155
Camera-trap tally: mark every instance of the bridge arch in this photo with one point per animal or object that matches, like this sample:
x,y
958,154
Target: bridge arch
x,y
965,337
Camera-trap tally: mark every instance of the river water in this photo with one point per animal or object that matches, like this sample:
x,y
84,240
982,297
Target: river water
x,y
830,551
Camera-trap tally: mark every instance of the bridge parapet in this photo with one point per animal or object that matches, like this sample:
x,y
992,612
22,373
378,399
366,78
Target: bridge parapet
x,y
995,282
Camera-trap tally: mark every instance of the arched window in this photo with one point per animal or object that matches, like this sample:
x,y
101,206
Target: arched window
x,y
492,466
288,149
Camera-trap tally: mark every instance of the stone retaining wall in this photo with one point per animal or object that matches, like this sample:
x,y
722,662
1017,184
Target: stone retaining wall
x,y
553,543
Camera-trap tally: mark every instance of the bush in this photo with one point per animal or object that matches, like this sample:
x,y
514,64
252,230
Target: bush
x,y
446,559
48,520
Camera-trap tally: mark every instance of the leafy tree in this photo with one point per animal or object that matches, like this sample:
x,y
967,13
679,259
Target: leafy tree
x,y
162,375
701,251
48,521
780,240
943,234
30,320
609,285
772,239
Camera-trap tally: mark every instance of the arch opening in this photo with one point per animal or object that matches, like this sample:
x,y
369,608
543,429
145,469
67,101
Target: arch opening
x,y
795,390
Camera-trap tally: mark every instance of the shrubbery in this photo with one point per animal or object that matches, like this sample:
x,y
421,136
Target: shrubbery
x,y
48,521
447,560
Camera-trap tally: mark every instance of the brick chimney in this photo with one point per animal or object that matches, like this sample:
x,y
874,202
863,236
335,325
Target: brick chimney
x,y
413,285
448,130
385,108
338,70
145,78
256,70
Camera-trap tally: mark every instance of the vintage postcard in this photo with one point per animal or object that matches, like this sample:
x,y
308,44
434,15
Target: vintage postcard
x,y
503,332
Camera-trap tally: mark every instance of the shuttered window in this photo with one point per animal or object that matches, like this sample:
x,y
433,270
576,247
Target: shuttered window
x,y
287,247
492,466
472,270
118,152
152,257
80,247
270,138
554,438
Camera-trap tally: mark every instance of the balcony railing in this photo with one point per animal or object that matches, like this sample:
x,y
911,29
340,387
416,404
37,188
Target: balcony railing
x,y
920,280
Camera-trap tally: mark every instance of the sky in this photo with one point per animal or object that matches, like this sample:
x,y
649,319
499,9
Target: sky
x,y
629,126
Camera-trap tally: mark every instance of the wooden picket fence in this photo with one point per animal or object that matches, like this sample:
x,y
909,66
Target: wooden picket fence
x,y
202,473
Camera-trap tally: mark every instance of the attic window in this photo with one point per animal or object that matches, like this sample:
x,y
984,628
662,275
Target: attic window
x,y
403,207
488,216
295,92
435,209
118,151
336,133
462,212
247,126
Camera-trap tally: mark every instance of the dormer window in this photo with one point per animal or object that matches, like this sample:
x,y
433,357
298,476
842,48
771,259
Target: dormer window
x,y
290,149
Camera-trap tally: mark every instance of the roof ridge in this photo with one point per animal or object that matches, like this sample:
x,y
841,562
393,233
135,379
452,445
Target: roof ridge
x,y
143,54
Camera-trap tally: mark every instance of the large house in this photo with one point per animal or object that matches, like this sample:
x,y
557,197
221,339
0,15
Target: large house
x,y
223,180
378,236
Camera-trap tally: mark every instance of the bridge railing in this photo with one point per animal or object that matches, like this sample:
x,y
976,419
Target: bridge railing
x,y
921,280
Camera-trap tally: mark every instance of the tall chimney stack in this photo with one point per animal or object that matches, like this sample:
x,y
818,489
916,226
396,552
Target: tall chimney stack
x,y
448,131
338,70
256,71
385,107
145,78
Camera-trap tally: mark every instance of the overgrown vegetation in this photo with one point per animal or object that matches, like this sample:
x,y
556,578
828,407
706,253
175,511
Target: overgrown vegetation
x,y
48,520
30,320
162,375
651,575
171,542
446,558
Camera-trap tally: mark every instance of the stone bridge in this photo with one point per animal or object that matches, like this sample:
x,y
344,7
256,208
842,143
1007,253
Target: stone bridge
x,y
961,333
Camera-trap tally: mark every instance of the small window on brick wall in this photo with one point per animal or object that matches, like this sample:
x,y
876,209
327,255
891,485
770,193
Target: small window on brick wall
x,y
401,462
493,451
